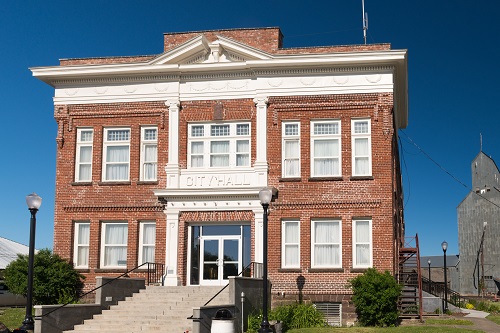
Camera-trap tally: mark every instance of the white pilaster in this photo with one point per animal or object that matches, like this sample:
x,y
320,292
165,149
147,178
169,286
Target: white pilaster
x,y
261,165
172,168
259,232
172,278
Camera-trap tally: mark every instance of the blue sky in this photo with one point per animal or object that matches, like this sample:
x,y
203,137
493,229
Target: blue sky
x,y
453,84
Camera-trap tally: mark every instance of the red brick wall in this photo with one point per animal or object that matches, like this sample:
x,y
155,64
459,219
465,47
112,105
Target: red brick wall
x,y
304,199
97,201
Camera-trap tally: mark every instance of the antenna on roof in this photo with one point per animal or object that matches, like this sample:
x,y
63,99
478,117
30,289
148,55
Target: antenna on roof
x,y
365,21
480,142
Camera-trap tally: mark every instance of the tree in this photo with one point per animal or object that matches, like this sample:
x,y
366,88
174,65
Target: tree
x,y
375,296
55,281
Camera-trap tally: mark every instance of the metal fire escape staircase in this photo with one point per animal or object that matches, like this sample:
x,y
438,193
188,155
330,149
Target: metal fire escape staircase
x,y
409,277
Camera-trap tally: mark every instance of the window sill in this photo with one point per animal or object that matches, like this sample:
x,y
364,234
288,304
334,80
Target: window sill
x,y
111,270
284,180
289,270
323,179
147,182
114,183
81,184
83,270
326,270
362,178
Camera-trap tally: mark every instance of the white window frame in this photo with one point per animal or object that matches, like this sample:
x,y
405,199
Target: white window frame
x,y
324,137
104,245
357,136
285,139
80,143
355,243
207,138
148,143
314,243
285,243
77,245
115,143
142,244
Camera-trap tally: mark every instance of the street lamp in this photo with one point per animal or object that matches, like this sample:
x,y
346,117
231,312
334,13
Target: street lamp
x,y
33,201
444,245
265,196
429,263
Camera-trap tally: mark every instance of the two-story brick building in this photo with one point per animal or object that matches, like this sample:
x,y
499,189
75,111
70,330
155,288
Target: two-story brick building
x,y
161,158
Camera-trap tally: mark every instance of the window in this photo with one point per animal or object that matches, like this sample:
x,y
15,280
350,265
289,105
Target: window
x,y
219,145
291,149
326,244
290,250
147,240
116,154
325,149
114,244
361,147
149,153
83,165
362,243
81,248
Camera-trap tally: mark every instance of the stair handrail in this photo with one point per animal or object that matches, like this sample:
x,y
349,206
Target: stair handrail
x,y
151,266
437,289
223,288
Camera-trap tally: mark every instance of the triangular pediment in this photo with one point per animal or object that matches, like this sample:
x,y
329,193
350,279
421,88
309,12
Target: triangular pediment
x,y
201,51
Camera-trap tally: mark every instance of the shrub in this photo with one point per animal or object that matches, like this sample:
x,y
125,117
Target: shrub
x,y
55,281
469,306
291,316
375,296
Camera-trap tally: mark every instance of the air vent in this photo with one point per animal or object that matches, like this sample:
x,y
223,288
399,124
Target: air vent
x,y
331,311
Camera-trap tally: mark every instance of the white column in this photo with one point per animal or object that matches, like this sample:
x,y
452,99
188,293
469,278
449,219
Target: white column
x,y
261,165
172,278
259,232
172,168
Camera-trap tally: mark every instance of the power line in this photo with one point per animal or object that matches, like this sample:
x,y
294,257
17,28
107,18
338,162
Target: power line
x,y
446,171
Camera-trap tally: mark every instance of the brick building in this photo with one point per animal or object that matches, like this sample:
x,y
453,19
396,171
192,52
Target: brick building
x,y
161,158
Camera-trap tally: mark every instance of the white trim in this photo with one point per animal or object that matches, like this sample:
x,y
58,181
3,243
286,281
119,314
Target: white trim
x,y
290,138
104,245
122,143
284,243
313,242
357,136
337,136
77,245
354,243
79,145
140,258
145,143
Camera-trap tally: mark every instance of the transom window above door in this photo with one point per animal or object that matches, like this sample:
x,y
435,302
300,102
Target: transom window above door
x,y
219,145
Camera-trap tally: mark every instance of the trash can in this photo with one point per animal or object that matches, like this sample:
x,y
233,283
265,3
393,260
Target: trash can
x,y
223,322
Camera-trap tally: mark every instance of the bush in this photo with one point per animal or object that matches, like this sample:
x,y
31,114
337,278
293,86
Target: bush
x,y
55,281
375,296
291,316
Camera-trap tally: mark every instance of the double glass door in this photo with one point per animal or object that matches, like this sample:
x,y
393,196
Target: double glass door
x,y
217,252
220,259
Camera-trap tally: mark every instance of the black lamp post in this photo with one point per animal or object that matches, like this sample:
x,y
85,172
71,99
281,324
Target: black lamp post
x,y
265,196
444,245
429,263
33,201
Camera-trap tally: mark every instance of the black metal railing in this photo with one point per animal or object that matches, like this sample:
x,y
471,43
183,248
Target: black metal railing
x,y
154,276
437,289
251,270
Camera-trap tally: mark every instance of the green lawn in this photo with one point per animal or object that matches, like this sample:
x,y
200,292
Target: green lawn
x,y
401,329
494,318
12,317
450,321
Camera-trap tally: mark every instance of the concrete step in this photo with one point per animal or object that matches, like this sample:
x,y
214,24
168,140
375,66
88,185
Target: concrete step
x,y
156,308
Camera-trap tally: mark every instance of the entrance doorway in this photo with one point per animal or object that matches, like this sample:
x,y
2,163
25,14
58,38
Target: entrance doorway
x,y
217,252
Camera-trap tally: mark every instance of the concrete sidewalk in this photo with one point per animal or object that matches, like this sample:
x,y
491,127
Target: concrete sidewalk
x,y
474,313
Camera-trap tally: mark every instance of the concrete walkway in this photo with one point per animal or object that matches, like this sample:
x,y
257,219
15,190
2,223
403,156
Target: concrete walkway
x,y
480,321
